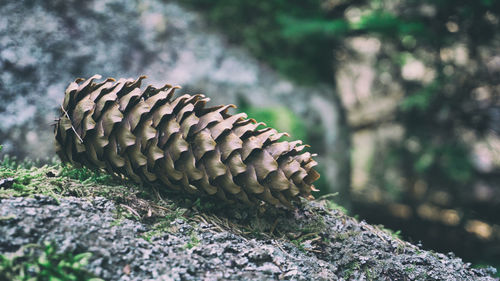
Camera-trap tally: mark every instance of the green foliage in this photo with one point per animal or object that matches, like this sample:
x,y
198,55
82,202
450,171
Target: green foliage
x,y
298,243
85,175
26,181
424,161
388,24
193,241
163,225
351,267
288,35
395,234
296,29
56,181
421,99
494,268
280,118
456,163
207,204
316,225
409,269
33,262
334,206
8,162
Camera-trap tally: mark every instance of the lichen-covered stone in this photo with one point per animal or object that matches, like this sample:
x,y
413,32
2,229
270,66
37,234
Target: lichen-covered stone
x,y
349,250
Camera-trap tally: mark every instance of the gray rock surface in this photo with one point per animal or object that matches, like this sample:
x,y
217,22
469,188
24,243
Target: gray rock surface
x,y
44,45
346,250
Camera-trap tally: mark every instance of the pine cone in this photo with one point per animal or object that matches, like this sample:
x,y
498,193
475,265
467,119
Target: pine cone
x,y
179,143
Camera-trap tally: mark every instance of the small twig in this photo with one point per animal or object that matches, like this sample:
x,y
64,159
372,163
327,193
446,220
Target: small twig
x,y
286,253
327,196
73,128
313,250
216,225
202,219
374,231
160,207
134,212
213,231
307,235
314,239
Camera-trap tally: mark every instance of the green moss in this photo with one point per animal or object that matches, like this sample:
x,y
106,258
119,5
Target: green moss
x,y
334,206
298,243
394,234
369,275
206,204
58,180
34,262
314,226
163,224
27,182
492,265
193,241
345,235
353,266
409,269
85,175
116,222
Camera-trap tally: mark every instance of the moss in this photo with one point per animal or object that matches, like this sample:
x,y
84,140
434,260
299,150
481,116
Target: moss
x,y
206,204
298,243
162,225
33,262
494,265
409,269
317,224
58,180
132,201
85,175
369,274
351,267
28,181
254,232
396,234
117,222
345,235
334,206
193,241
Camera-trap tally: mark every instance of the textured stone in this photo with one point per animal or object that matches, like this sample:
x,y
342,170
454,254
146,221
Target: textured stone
x,y
347,252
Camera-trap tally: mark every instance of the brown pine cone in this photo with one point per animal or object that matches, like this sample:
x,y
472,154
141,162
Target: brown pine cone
x,y
151,137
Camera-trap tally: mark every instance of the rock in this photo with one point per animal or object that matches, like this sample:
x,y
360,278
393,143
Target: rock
x,y
120,252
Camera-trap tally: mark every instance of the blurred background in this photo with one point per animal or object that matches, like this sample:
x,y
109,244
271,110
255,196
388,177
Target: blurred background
x,y
399,98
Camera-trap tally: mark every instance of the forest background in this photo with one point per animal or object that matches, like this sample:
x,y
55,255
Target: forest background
x,y
418,83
